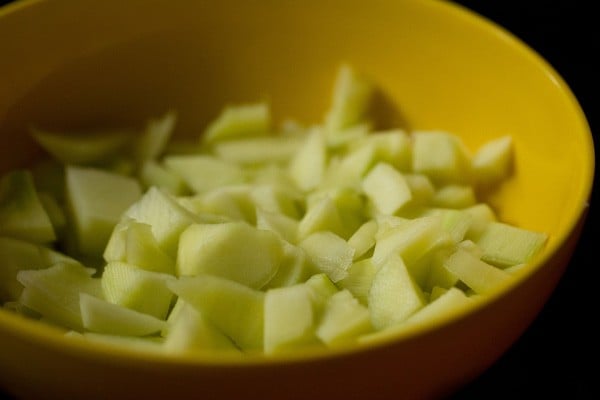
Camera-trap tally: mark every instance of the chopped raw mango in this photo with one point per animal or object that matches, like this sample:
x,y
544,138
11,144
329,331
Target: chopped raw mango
x,y
351,100
189,332
54,292
204,172
387,189
289,318
22,214
97,199
101,316
506,245
235,309
257,237
80,148
152,142
241,120
394,295
344,319
130,286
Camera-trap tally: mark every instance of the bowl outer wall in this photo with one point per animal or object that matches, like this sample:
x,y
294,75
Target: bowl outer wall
x,y
443,68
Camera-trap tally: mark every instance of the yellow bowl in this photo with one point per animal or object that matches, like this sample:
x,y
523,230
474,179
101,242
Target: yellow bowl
x,y
81,63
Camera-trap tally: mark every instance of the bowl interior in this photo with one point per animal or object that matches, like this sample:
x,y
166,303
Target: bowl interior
x,y
117,63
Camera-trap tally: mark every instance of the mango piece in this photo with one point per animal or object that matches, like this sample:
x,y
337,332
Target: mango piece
x,y
493,160
352,94
19,255
441,156
101,316
476,274
235,309
82,148
152,142
133,242
411,240
363,239
386,188
191,333
351,168
350,204
22,214
284,226
307,166
258,150
454,196
321,289
505,245
322,215
152,173
289,318
294,268
233,250
165,215
394,295
329,253
360,279
96,201
239,120
444,303
135,288
275,198
481,215
203,172
54,292
344,319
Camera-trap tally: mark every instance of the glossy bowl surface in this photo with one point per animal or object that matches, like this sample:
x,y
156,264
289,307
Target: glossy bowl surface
x,y
73,64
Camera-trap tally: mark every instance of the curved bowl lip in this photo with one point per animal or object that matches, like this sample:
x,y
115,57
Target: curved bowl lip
x,y
53,338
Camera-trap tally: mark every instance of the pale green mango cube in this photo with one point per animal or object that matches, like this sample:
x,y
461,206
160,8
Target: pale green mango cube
x,y
344,319
153,140
329,253
386,188
360,279
239,121
258,150
22,213
232,250
138,289
307,166
505,245
152,173
101,316
235,309
203,172
96,201
82,148
441,156
493,161
54,292
478,275
189,332
352,95
394,295
165,215
363,239
289,318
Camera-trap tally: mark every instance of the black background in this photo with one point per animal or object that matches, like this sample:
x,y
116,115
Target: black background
x,y
558,355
